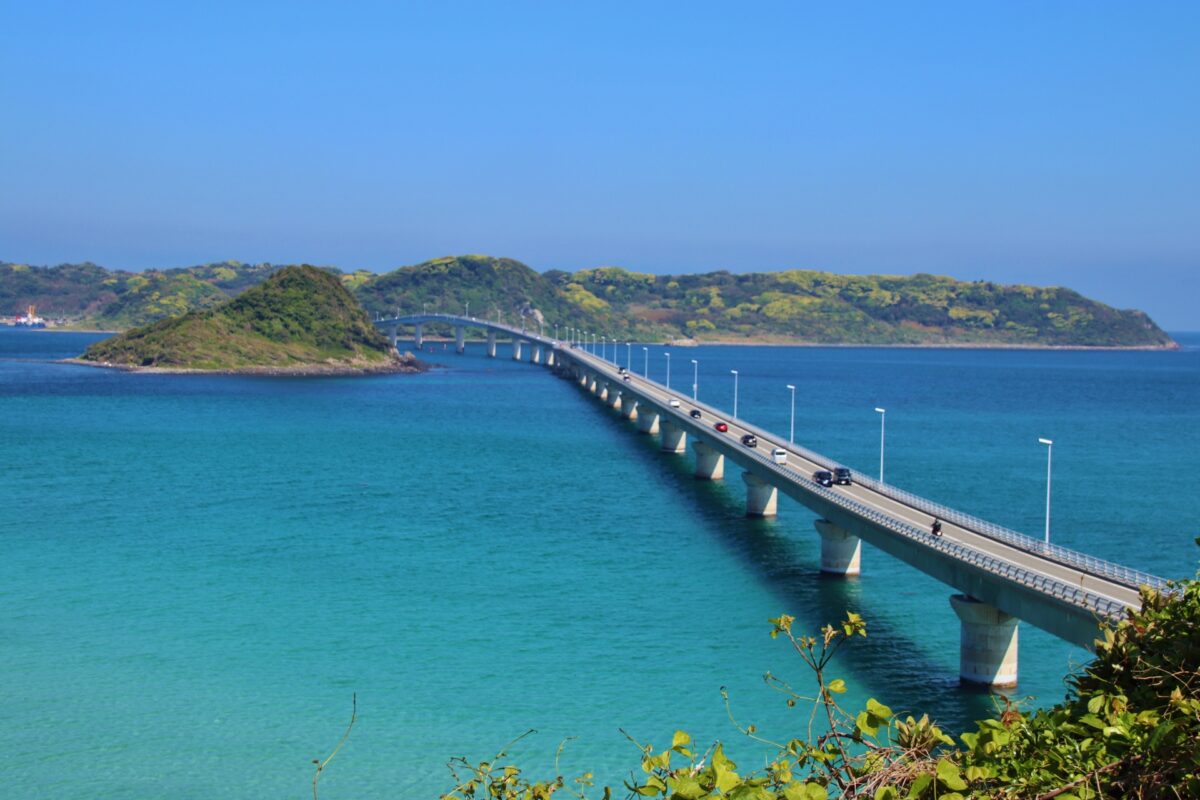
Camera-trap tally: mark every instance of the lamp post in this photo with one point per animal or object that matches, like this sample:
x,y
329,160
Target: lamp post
x,y
668,357
629,356
467,313
735,392
646,363
1049,450
603,346
882,420
792,429
695,378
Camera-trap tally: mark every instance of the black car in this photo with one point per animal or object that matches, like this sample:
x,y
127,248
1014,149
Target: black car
x,y
695,412
823,477
841,476
750,440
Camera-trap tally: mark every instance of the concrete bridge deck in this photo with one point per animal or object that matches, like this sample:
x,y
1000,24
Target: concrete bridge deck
x,y
1002,575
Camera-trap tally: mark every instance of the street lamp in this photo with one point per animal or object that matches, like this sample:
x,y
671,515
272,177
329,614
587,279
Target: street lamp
x,y
882,420
695,378
1049,450
646,363
668,357
629,356
792,430
735,383
467,313
603,346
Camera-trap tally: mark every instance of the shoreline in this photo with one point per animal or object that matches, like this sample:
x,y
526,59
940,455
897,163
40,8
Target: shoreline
x,y
399,367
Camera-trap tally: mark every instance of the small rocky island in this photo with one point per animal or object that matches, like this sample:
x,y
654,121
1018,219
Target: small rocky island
x,y
299,321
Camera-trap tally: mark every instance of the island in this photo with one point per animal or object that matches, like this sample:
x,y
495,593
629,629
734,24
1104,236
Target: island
x,y
301,320
798,306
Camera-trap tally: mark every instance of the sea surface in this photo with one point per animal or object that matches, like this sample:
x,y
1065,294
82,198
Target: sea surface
x,y
199,573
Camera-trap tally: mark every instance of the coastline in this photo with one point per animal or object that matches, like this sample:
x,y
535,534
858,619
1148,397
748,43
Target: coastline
x,y
929,345
401,366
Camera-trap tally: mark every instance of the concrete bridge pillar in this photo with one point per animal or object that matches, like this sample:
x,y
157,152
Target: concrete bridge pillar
x,y
550,360
602,392
614,398
491,345
392,336
841,552
536,357
762,498
418,336
593,385
460,339
629,408
516,344
674,438
988,650
710,462
647,420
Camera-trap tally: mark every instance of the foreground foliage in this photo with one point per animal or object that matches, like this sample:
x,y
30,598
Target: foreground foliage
x,y
1129,728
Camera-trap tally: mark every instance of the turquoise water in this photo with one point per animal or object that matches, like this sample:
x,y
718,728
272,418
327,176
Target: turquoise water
x,y
197,573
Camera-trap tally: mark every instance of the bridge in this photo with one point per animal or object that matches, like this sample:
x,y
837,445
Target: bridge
x,y
1001,576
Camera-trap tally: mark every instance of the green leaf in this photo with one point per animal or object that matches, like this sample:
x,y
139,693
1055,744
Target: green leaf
x,y
815,791
878,709
837,686
886,793
1095,704
680,739
949,775
687,788
919,785
865,724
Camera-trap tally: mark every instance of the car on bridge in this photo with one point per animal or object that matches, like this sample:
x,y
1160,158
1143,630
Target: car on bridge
x,y
695,412
721,427
750,440
823,477
673,403
841,476
780,455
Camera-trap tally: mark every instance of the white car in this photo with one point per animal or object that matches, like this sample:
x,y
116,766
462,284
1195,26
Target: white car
x,y
673,403
780,455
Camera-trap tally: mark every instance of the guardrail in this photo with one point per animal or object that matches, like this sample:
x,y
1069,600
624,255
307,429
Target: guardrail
x,y
1102,606
1063,555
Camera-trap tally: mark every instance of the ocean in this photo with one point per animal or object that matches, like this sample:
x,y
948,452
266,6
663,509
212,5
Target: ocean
x,y
199,573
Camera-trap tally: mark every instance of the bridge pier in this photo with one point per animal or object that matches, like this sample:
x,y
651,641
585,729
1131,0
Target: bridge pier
x,y
603,392
516,347
536,356
550,360
491,344
629,408
392,335
614,398
418,337
710,462
460,339
762,498
841,552
648,420
988,649
674,439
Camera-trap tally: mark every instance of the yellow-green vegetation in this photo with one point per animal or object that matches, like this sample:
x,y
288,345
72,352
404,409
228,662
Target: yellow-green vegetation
x,y
299,319
1128,728
790,306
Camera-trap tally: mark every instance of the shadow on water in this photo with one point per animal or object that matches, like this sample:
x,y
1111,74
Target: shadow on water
x,y
786,562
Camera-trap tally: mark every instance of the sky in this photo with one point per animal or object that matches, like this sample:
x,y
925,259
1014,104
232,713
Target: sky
x,y
1052,143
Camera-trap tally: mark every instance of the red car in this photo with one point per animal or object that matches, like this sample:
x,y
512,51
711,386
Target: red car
x,y
721,426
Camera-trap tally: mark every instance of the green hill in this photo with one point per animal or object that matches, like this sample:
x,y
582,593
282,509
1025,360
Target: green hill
x,y
300,319
792,306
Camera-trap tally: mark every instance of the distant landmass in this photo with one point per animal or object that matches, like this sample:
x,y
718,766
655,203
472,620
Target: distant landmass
x,y
299,320
796,306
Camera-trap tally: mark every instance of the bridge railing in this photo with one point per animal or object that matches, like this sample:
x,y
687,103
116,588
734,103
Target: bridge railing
x,y
1053,552
1103,607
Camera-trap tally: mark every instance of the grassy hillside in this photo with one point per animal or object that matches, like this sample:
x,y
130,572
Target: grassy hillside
x,y
793,306
298,318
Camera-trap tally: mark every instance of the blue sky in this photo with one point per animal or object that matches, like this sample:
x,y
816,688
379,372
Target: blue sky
x,y
1048,143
